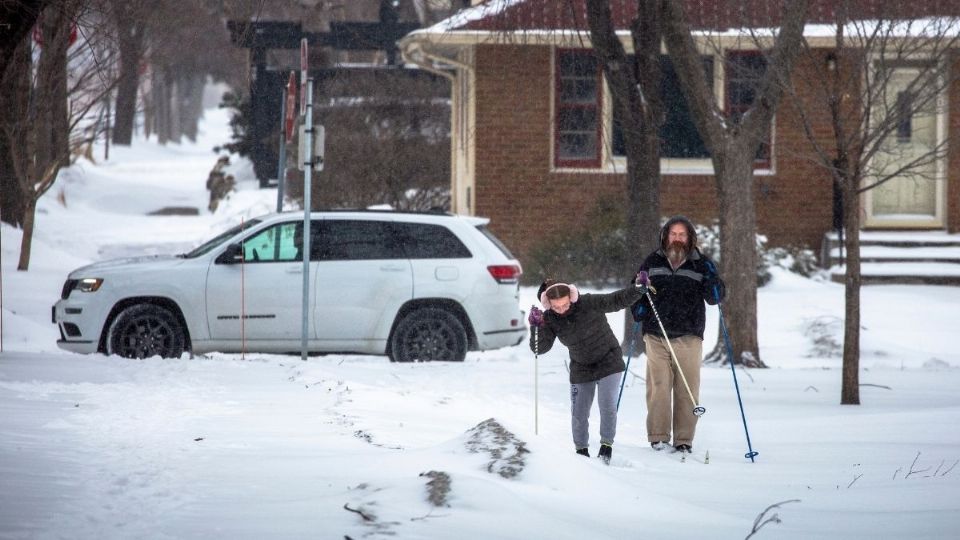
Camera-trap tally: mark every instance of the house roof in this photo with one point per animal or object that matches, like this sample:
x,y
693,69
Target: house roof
x,y
564,22
552,15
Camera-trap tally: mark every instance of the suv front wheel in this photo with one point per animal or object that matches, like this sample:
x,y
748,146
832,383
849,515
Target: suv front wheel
x,y
145,330
429,334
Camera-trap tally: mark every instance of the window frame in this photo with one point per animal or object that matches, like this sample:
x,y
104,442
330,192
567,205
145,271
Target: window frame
x,y
598,106
764,163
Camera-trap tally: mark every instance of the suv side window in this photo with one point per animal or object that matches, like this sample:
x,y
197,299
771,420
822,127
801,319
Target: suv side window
x,y
279,243
354,240
426,241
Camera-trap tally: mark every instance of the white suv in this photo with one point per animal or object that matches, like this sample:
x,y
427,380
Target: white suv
x,y
413,286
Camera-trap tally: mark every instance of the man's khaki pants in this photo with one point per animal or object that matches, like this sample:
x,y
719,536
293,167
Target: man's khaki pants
x,y
668,402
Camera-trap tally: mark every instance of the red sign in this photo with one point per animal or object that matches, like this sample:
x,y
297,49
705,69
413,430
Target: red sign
x,y
291,105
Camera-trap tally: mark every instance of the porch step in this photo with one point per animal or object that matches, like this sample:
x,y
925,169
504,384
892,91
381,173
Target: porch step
x,y
930,257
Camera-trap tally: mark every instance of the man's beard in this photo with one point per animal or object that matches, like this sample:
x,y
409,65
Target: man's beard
x,y
677,253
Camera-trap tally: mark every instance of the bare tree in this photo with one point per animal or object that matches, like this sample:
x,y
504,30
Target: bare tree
x,y
883,85
50,105
17,20
733,142
634,82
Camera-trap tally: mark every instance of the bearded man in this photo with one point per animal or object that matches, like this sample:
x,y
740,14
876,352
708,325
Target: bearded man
x,y
683,278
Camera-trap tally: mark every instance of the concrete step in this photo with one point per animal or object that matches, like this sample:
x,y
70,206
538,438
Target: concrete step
x,y
915,273
925,257
882,253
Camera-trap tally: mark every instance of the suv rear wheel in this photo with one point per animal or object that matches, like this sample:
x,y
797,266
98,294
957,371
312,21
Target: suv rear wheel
x,y
145,330
429,334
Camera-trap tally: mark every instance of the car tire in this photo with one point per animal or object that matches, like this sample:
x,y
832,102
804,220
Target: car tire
x,y
429,334
145,330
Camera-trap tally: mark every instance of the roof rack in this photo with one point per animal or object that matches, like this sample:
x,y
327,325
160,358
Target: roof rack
x,y
435,211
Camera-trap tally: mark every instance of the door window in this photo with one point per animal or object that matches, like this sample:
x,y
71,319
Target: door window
x,y
279,243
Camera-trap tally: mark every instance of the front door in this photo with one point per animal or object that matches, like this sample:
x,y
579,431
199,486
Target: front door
x,y
910,156
260,299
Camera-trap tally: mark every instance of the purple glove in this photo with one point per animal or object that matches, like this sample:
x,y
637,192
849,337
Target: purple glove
x,y
642,282
535,318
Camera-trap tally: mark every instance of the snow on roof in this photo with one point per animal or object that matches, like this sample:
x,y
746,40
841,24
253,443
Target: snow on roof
x,y
725,16
474,13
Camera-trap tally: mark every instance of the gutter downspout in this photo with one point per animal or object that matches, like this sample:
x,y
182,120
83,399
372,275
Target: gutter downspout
x,y
461,190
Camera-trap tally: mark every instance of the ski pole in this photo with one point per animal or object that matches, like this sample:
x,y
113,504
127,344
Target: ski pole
x,y
726,337
633,342
698,410
536,380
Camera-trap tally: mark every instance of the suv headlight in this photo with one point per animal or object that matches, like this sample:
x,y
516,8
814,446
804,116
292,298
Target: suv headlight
x,y
89,284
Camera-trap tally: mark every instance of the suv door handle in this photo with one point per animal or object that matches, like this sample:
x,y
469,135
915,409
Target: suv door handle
x,y
295,269
392,268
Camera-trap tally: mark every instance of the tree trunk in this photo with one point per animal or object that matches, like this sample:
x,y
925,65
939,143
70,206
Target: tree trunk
x,y
14,96
16,22
191,108
162,99
11,201
50,99
635,86
850,391
732,148
26,242
738,223
130,32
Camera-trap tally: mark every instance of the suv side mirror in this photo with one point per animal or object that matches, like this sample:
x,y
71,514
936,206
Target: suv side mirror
x,y
232,255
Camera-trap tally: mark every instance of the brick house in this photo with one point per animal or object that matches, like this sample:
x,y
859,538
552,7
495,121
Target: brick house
x,y
530,157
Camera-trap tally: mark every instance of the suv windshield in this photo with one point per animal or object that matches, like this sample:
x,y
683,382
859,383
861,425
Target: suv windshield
x,y
219,239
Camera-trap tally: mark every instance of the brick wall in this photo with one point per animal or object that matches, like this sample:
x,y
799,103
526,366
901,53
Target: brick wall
x,y
526,201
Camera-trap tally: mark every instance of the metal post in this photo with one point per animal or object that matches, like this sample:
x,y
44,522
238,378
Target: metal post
x,y
282,165
307,158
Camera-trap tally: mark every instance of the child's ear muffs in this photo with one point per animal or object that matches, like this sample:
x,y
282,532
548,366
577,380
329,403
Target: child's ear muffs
x,y
574,295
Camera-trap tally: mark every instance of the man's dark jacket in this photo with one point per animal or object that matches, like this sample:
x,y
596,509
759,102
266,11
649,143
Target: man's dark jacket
x,y
680,294
594,350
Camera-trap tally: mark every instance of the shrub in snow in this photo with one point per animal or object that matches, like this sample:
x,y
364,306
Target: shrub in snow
x,y
506,451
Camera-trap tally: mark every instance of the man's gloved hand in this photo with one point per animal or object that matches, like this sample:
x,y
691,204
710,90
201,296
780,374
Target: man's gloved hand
x,y
535,318
642,281
712,281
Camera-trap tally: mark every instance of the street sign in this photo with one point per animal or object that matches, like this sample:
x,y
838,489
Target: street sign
x,y
313,160
290,114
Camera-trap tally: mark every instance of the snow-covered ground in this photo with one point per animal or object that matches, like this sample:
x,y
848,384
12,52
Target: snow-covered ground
x,y
268,446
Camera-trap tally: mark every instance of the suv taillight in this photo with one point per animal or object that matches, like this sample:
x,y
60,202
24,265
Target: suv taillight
x,y
505,273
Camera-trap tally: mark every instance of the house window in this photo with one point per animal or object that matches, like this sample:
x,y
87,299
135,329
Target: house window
x,y
679,137
578,109
744,69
